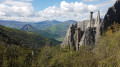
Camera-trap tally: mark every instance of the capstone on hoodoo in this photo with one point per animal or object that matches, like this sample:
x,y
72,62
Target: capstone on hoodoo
x,y
86,32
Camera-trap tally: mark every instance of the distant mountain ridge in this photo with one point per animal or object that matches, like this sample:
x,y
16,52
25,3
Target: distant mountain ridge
x,y
38,25
44,24
72,21
12,24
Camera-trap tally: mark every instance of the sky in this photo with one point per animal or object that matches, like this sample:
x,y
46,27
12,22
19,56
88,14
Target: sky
x,y
62,10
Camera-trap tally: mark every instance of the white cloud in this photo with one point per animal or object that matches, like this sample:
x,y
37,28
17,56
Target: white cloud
x,y
16,8
21,10
75,11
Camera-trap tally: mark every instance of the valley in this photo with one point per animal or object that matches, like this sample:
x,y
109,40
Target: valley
x,y
31,37
51,29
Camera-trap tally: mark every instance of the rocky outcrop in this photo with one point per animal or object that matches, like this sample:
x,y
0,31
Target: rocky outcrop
x,y
113,15
86,32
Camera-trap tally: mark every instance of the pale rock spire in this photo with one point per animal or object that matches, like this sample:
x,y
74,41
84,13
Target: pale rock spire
x,y
97,20
98,33
98,17
91,20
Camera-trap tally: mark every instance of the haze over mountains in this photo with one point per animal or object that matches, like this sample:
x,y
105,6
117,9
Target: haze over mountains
x,y
52,29
38,25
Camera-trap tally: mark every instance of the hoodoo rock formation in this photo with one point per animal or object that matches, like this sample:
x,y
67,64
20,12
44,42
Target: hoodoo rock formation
x,y
83,33
88,32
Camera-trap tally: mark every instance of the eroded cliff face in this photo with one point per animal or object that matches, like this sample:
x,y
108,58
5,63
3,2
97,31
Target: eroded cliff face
x,y
112,15
83,33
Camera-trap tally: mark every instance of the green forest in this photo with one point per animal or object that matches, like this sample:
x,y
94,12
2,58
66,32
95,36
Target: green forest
x,y
105,54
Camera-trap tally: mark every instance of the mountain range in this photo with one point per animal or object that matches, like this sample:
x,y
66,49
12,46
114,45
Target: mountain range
x,y
52,29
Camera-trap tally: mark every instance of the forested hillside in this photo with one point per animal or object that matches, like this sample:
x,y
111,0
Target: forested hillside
x,y
26,38
30,28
